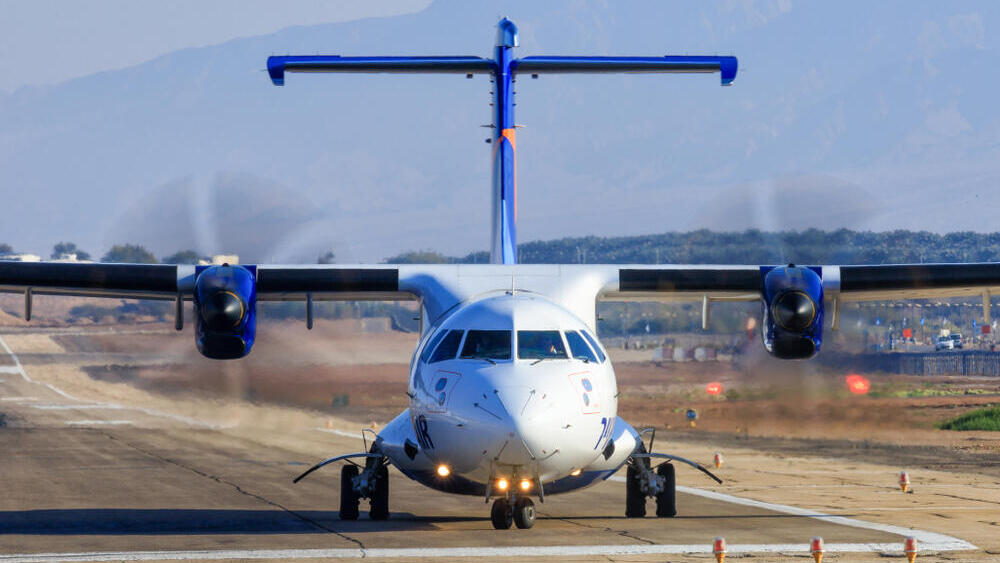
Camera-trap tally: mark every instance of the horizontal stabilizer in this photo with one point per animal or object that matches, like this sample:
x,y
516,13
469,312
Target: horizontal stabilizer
x,y
278,66
727,66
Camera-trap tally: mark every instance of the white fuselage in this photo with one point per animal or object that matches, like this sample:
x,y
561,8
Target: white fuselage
x,y
510,385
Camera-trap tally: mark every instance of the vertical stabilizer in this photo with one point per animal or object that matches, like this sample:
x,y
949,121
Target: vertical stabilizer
x,y
503,249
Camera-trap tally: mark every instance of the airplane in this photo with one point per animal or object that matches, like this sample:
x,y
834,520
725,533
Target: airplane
x,y
512,397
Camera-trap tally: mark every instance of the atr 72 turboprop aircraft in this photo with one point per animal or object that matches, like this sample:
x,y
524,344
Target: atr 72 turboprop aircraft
x,y
512,397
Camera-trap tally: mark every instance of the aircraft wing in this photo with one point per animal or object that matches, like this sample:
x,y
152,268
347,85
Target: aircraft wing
x,y
847,283
168,282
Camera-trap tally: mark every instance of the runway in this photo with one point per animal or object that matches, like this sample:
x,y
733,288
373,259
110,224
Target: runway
x,y
89,480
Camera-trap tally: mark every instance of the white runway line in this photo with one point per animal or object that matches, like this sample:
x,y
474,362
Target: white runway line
x,y
928,540
96,422
10,369
18,399
445,553
54,407
19,369
17,363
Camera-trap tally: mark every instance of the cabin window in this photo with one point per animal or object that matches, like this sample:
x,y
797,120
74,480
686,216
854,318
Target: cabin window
x,y
448,347
540,344
594,344
487,345
578,347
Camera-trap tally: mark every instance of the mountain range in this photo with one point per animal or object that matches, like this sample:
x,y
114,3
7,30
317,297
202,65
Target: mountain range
x,y
859,115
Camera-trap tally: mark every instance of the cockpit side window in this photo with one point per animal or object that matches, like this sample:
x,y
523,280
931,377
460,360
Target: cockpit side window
x,y
578,347
539,344
594,345
487,344
426,354
448,347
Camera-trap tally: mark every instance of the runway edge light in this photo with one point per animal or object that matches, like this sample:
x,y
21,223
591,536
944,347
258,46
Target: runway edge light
x,y
816,549
719,549
904,481
718,460
910,548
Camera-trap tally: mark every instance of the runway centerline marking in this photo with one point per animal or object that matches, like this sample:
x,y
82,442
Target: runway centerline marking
x,y
96,422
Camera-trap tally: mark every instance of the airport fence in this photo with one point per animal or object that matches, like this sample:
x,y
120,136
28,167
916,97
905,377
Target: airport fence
x,y
971,362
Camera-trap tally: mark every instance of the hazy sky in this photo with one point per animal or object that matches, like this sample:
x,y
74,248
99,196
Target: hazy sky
x,y
49,41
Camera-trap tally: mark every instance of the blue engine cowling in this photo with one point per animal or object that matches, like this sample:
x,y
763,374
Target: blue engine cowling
x,y
793,311
225,310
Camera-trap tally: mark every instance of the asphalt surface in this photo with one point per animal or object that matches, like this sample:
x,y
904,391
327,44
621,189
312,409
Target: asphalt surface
x,y
93,477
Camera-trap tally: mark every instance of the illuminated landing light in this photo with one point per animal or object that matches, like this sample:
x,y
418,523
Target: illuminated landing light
x,y
502,484
525,485
576,472
858,384
443,470
714,388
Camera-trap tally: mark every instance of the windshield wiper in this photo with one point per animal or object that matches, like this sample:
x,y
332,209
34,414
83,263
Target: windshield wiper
x,y
548,358
585,359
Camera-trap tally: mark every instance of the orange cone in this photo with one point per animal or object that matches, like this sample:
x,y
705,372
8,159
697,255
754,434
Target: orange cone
x,y
816,548
910,548
719,549
904,481
718,460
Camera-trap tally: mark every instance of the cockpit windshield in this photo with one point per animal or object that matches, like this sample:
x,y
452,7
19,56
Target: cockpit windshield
x,y
540,344
486,345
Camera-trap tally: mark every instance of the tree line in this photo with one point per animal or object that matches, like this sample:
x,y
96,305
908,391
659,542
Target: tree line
x,y
811,246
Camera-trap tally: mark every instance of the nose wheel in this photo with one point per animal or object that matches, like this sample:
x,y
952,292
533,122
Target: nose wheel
x,y
521,513
502,514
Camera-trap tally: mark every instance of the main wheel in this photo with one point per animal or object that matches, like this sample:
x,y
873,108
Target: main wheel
x,y
524,513
380,496
501,514
635,501
348,498
666,501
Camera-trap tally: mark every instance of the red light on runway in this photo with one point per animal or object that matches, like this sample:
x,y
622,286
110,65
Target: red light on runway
x,y
858,384
714,388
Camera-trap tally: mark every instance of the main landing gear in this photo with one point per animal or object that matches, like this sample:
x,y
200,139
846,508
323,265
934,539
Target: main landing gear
x,y
372,483
641,482
520,512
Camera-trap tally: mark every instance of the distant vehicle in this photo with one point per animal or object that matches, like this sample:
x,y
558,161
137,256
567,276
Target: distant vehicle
x,y
957,339
944,343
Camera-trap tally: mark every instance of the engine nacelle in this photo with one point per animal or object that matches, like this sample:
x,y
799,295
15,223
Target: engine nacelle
x,y
225,310
792,328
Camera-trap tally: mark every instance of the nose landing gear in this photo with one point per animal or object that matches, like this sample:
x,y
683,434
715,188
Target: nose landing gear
x,y
521,512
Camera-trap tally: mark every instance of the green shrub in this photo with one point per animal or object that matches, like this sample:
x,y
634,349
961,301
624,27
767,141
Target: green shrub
x,y
980,419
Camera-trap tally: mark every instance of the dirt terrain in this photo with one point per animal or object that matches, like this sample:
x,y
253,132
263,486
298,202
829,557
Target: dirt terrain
x,y
790,435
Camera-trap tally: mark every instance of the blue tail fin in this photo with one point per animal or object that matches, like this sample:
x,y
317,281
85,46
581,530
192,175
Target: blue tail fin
x,y
503,70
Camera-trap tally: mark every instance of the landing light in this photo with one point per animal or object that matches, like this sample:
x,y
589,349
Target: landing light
x,y
502,484
443,470
575,472
525,485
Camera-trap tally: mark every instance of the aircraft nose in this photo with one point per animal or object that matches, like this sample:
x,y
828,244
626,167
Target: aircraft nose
x,y
529,430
